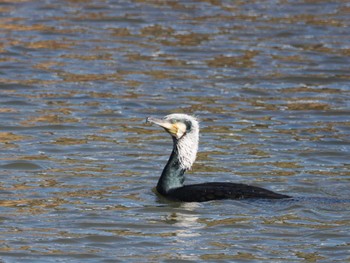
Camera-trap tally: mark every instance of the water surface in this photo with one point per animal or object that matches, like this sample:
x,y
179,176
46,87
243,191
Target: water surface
x,y
269,81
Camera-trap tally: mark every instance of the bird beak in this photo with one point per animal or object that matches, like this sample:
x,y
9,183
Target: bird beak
x,y
162,123
176,130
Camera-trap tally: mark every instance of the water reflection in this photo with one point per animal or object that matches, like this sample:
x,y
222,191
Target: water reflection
x,y
186,220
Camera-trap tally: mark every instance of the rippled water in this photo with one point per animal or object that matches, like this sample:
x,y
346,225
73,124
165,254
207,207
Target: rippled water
x,y
268,79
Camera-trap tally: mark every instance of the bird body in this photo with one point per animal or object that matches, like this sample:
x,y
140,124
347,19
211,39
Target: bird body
x,y
184,130
220,190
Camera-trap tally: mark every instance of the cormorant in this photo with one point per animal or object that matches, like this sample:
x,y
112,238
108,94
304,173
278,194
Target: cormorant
x,y
184,130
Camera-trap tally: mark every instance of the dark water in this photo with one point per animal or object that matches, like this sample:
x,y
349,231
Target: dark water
x,y
268,79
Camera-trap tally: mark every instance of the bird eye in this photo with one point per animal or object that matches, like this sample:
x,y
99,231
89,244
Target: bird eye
x,y
188,125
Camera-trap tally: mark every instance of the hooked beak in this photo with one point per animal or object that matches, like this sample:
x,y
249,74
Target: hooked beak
x,y
176,130
162,123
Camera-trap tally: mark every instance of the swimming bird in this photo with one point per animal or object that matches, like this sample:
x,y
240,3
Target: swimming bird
x,y
184,130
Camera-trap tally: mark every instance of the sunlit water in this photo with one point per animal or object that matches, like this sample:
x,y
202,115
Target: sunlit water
x,y
269,81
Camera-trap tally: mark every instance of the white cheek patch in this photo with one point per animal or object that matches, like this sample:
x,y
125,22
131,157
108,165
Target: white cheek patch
x,y
180,130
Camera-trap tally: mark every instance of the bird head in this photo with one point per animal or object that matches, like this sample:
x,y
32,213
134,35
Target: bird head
x,y
185,132
177,125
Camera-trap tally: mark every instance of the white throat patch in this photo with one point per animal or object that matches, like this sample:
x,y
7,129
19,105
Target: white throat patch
x,y
187,146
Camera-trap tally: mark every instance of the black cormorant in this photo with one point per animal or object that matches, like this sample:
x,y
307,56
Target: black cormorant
x,y
184,130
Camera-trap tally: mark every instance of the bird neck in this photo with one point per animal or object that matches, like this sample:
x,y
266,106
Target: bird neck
x,y
172,175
